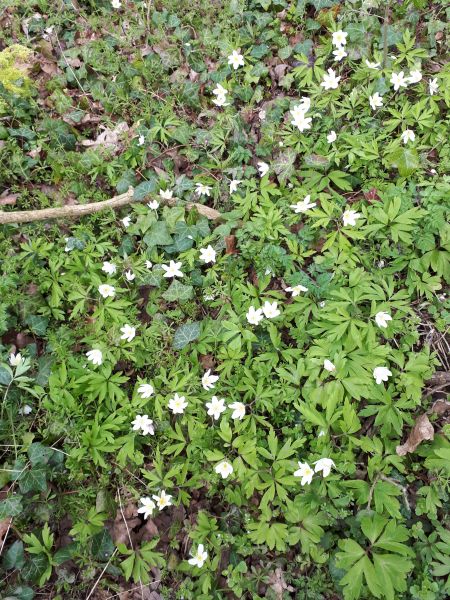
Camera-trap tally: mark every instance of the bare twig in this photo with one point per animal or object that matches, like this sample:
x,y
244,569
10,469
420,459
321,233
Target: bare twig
x,y
101,575
79,210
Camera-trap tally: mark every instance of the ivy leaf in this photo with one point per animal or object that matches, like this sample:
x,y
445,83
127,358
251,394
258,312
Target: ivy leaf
x,y
39,454
144,189
158,235
35,567
34,480
102,545
14,558
178,291
11,507
284,165
22,592
185,334
6,375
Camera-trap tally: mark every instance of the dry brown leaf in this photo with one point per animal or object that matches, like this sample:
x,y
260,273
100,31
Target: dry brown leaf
x,y
230,244
440,407
422,430
126,520
108,138
4,527
278,583
8,199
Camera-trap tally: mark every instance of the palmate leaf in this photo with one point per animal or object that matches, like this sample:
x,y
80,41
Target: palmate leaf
x,y
273,534
383,573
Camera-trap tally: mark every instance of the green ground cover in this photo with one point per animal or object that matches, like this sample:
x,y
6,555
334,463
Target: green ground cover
x,y
246,398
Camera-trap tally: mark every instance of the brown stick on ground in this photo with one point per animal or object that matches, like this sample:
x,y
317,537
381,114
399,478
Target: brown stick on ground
x,y
78,210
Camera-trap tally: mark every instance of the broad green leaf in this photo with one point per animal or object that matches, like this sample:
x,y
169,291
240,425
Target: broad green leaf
x,y
186,333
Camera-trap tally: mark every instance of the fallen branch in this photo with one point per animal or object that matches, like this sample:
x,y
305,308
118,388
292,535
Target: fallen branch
x,y
79,210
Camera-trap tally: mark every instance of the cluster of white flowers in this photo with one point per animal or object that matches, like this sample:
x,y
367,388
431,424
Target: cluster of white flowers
x,y
220,96
269,310
217,406
159,501
299,118
306,472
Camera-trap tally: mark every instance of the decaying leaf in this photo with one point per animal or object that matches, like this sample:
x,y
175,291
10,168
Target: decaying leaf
x,y
422,430
108,138
440,407
278,583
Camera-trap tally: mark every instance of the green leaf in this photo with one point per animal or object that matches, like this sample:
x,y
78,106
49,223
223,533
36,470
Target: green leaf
x,y
144,189
11,507
35,568
405,160
284,165
102,545
158,235
14,557
177,291
33,480
21,592
6,374
39,454
186,333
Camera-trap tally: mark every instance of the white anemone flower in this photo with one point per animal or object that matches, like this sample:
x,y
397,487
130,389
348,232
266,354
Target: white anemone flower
x,y
302,122
216,407
331,137
324,465
254,315
128,333
381,374
339,53
224,469
145,390
238,409
398,80
177,404
202,189
375,101
339,38
415,76
16,359
162,500
433,86
408,136
147,508
199,557
305,472
296,290
109,268
329,366
143,423
303,205
95,356
271,310
263,168
236,60
106,290
330,80
382,319
208,380
166,194
172,269
234,185
373,65
208,255
349,217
